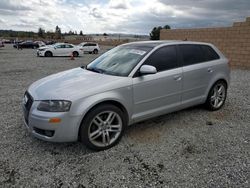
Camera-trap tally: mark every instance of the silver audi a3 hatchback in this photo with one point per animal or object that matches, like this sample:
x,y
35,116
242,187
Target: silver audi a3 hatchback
x,y
127,84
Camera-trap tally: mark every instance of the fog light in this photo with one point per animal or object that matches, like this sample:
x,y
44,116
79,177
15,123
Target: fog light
x,y
54,120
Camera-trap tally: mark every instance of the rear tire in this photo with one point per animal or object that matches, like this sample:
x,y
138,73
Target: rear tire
x,y
216,96
48,54
102,127
95,51
75,54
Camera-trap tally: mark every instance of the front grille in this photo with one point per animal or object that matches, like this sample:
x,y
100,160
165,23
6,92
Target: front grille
x,y
28,101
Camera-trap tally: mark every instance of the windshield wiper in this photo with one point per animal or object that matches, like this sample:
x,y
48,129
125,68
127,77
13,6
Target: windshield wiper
x,y
94,69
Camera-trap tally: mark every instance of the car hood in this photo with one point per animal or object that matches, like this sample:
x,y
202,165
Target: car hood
x,y
45,47
74,84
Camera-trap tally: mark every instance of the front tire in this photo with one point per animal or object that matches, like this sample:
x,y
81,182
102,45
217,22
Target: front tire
x,y
48,54
217,96
103,127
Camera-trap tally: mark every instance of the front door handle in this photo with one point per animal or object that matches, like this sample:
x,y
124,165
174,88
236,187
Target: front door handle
x,y
210,70
177,78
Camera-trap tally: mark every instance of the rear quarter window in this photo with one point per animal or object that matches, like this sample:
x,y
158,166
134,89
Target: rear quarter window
x,y
209,53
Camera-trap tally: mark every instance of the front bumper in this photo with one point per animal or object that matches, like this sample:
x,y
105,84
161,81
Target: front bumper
x,y
39,53
37,122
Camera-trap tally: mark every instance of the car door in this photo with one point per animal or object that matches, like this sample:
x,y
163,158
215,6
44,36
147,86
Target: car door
x,y
92,46
196,74
60,50
68,49
86,47
158,93
56,50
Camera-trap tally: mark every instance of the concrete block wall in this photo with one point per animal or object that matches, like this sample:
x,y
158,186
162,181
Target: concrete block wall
x,y
233,41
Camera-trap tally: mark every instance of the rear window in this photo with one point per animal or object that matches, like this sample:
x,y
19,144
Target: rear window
x,y
209,53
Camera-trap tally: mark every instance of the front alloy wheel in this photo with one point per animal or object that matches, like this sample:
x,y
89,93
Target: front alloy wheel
x,y
103,127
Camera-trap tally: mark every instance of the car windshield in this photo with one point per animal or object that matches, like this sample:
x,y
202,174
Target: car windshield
x,y
119,61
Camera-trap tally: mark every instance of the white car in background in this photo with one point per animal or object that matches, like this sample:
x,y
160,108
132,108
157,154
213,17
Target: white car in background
x,y
89,47
59,49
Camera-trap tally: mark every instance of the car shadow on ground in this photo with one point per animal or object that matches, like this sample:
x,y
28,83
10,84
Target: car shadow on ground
x,y
145,131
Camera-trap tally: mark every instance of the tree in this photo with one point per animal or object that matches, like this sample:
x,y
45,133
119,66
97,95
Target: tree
x,y
70,33
105,34
155,33
81,33
41,32
50,34
58,32
166,27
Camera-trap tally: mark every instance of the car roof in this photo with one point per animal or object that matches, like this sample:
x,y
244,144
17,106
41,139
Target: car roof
x,y
154,43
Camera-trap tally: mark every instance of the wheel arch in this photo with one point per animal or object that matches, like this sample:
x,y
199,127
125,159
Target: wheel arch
x,y
48,51
75,51
214,82
106,101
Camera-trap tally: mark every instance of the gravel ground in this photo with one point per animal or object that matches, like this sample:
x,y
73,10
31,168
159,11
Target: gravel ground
x,y
190,148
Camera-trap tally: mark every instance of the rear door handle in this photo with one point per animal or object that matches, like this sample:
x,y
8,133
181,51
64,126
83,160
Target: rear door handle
x,y
177,77
210,70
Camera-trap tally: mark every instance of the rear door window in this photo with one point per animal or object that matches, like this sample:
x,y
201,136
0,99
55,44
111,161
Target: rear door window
x,y
191,54
68,46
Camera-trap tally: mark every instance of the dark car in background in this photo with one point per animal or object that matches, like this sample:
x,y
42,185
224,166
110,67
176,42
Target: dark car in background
x,y
26,44
50,42
1,44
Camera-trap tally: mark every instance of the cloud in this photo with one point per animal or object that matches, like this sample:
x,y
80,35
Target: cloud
x,y
13,5
117,16
42,19
2,21
96,13
119,4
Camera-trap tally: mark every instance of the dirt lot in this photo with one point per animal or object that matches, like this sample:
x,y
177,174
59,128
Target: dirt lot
x,y
190,148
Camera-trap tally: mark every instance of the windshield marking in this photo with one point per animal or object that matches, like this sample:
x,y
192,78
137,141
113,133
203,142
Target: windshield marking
x,y
138,52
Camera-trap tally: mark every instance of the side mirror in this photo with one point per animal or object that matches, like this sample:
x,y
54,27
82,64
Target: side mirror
x,y
147,69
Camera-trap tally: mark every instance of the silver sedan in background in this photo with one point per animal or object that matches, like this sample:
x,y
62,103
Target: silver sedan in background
x,y
128,84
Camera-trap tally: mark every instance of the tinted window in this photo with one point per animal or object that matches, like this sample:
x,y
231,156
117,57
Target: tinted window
x,y
164,58
209,53
60,46
68,46
191,54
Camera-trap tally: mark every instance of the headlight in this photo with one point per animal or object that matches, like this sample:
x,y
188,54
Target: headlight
x,y
41,49
54,106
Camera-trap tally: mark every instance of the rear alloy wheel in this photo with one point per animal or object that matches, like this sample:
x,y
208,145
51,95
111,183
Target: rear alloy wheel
x,y
48,54
217,96
103,127
95,51
75,54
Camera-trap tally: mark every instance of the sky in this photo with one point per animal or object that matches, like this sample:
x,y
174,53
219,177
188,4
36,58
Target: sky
x,y
119,16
